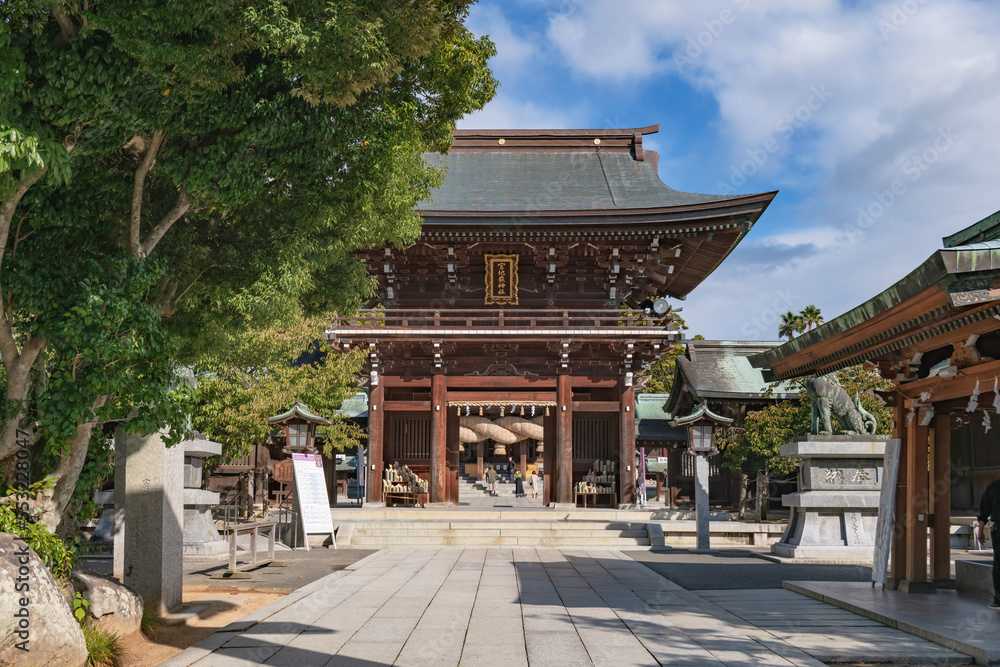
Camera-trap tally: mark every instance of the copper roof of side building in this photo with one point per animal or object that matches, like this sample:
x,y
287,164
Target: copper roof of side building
x,y
553,171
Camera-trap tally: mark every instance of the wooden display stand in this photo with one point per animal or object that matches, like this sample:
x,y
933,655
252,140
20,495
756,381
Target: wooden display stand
x,y
594,496
405,498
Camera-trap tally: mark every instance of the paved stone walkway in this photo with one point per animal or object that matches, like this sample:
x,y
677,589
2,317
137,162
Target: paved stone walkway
x,y
525,606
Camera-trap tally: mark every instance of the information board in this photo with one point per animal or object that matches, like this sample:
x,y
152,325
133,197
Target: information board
x,y
310,492
886,512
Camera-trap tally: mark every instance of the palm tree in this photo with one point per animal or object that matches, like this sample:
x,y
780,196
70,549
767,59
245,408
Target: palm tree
x,y
791,324
811,317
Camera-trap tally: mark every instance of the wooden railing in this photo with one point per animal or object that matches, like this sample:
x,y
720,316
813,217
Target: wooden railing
x,y
500,319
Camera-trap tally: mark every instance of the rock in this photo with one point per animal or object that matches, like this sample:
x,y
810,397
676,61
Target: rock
x,y
114,607
34,614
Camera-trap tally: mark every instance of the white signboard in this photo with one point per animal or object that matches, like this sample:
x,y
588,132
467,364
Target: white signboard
x,y
310,491
886,511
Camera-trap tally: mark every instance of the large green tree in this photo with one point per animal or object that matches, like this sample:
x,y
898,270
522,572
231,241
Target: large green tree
x,y
262,372
176,171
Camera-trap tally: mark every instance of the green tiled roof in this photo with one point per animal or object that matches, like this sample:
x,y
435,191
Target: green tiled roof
x,y
721,370
943,268
652,422
302,411
355,407
552,181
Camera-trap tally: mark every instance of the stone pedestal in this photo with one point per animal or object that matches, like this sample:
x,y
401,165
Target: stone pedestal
x,y
201,538
701,474
833,515
149,495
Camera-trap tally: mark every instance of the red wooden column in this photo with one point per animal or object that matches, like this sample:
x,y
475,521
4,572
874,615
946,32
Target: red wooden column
x,y
916,505
439,440
941,500
454,456
376,428
550,473
626,442
480,447
564,439
899,543
523,446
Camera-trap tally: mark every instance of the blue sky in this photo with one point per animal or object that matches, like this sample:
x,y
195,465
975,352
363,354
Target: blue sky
x,y
879,122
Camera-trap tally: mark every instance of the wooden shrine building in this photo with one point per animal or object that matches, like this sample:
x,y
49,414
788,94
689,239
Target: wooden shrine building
x,y
936,335
526,304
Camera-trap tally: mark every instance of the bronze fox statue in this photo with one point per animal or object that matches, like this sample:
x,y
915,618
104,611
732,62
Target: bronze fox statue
x,y
826,396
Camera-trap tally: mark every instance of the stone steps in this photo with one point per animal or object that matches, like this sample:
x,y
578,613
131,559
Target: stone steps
x,y
469,541
511,531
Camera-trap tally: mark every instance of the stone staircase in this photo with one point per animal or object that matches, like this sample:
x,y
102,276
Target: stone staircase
x,y
509,532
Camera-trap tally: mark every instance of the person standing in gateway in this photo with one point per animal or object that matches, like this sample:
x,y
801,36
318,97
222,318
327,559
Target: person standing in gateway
x,y
989,508
491,480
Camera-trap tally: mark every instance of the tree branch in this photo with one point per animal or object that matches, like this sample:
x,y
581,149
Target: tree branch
x,y
135,247
66,25
181,206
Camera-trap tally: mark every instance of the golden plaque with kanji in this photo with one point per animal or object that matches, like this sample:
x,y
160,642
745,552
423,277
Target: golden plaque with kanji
x,y
501,280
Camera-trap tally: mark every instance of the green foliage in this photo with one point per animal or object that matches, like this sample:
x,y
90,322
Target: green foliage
x,y
104,649
759,440
796,323
16,517
296,132
661,373
81,606
262,373
151,620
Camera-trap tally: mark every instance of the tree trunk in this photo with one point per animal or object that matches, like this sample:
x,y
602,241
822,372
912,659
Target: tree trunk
x,y
762,483
18,366
67,473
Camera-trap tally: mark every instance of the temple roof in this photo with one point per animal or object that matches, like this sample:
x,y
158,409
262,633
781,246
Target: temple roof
x,y
555,170
720,369
652,421
925,305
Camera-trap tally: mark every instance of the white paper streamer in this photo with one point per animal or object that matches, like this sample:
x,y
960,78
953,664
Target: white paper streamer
x,y
910,415
974,399
996,395
987,424
925,396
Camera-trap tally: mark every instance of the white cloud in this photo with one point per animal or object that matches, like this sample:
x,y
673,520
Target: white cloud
x,y
506,113
837,104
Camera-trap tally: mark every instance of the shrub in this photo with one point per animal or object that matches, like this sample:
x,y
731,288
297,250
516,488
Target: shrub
x,y
151,620
53,551
103,647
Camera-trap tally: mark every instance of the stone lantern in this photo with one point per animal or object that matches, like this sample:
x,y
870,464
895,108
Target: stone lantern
x,y
700,426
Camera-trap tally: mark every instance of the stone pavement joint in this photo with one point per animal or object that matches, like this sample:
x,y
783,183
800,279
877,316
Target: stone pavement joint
x,y
527,606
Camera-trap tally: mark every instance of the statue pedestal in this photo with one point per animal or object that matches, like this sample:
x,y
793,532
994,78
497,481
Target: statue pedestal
x,y
833,515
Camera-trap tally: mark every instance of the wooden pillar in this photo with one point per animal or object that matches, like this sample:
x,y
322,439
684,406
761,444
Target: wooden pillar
x,y
564,439
899,543
549,472
480,447
454,456
376,429
916,503
523,446
626,442
439,440
673,467
941,499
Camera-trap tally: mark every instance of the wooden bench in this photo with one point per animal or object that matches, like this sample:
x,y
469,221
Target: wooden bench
x,y
254,529
595,496
404,498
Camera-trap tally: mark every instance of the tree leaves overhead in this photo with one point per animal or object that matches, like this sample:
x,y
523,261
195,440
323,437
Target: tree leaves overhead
x,y
174,172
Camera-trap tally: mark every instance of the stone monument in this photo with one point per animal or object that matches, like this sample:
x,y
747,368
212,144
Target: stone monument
x,y
833,515
835,511
149,509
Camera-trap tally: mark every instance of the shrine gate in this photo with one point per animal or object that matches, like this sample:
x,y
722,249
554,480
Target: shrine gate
x,y
533,292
